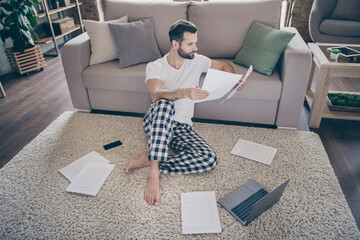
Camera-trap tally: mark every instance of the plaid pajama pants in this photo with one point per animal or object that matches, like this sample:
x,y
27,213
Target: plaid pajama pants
x,y
192,153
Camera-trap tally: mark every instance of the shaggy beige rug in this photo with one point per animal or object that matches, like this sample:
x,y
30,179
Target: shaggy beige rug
x,y
34,204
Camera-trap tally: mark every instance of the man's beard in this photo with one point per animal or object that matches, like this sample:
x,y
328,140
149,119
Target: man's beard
x,y
183,54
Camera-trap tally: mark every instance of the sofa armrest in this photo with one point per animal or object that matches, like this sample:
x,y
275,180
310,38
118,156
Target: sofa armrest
x,y
294,67
75,56
321,9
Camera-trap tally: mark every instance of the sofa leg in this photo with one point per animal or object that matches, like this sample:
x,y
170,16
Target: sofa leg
x,y
82,110
287,128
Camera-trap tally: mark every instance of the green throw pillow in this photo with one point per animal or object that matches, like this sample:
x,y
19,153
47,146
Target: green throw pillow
x,y
263,47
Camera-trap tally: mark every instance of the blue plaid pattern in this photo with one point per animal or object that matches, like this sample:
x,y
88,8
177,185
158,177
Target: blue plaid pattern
x,y
192,153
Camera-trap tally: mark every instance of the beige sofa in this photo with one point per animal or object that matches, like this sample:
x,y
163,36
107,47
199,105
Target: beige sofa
x,y
222,27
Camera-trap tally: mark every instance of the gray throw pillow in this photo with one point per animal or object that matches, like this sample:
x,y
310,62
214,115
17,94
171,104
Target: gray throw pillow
x,y
135,42
347,10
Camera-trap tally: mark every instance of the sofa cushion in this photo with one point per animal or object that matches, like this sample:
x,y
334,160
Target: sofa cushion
x,y
347,10
117,79
103,47
131,79
164,14
222,26
258,86
135,42
263,47
340,28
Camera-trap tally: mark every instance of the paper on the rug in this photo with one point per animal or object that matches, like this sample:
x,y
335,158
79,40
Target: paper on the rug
x,y
91,178
73,169
218,83
254,151
199,213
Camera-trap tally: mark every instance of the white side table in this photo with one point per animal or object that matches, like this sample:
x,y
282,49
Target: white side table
x,y
328,70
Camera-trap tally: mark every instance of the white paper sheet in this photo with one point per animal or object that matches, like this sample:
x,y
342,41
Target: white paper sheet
x,y
91,178
73,169
199,213
232,93
218,83
254,151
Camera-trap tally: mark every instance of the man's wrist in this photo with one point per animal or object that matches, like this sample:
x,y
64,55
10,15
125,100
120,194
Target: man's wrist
x,y
184,93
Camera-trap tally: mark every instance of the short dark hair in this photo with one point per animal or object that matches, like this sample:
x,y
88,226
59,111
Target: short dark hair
x,y
176,31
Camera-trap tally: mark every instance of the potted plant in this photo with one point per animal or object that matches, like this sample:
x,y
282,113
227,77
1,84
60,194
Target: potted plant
x,y
348,102
17,19
335,54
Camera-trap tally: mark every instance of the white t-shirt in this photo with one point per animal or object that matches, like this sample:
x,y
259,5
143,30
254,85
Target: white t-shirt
x,y
187,76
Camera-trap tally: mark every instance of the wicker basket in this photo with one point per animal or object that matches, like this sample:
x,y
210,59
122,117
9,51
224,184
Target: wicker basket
x,y
31,59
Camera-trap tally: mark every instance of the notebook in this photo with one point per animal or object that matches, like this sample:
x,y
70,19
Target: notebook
x,y
250,200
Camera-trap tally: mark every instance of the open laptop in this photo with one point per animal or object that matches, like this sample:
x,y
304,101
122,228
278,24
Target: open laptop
x,y
250,200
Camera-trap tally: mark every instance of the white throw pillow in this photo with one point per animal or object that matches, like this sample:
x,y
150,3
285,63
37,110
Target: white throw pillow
x,y
103,48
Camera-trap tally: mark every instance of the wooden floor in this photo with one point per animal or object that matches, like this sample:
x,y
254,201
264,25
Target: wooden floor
x,y
34,101
31,104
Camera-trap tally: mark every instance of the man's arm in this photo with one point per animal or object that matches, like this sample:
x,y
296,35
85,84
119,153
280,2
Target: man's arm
x,y
223,66
157,91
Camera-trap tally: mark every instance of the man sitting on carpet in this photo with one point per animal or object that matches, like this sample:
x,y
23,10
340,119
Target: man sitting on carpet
x,y
173,85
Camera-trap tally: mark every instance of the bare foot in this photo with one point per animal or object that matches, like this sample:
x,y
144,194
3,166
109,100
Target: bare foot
x,y
142,161
152,191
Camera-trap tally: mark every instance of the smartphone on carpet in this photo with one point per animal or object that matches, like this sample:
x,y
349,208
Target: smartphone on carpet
x,y
112,145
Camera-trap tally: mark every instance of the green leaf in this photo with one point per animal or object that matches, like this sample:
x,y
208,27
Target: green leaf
x,y
29,3
5,34
27,36
33,10
34,35
28,9
22,22
15,4
6,6
36,2
11,19
32,21
24,10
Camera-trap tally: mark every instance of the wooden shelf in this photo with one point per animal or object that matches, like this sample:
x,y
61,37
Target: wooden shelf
x,y
47,14
60,9
50,39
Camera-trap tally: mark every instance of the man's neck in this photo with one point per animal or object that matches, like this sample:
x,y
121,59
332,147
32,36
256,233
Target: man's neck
x,y
174,59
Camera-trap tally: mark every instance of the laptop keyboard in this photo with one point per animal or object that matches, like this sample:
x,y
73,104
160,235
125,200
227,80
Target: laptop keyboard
x,y
243,209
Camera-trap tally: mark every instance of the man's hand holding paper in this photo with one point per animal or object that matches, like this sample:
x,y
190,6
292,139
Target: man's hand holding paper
x,y
195,93
218,83
239,86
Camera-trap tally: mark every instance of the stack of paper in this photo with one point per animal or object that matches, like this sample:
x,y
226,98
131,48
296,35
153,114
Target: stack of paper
x,y
218,83
199,213
87,174
254,151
